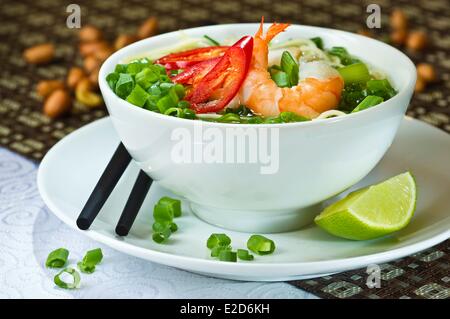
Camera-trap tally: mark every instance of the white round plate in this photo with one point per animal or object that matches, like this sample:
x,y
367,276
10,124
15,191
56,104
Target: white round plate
x,y
72,167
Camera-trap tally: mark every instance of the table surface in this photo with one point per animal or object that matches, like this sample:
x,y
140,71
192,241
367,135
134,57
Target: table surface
x,y
29,231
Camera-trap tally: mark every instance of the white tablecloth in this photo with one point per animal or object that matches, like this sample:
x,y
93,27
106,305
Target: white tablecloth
x,y
29,231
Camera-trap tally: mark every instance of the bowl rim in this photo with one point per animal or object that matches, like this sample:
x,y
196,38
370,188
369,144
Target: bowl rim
x,y
405,90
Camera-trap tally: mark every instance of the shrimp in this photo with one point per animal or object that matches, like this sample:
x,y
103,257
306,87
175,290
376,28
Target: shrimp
x,y
314,94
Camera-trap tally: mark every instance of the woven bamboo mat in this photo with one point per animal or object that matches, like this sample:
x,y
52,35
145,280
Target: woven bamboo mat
x,y
25,130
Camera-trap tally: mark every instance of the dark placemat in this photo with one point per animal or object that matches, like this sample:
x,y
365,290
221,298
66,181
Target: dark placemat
x,y
25,130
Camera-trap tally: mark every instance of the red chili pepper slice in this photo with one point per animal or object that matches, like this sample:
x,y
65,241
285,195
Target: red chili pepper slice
x,y
181,60
223,81
195,72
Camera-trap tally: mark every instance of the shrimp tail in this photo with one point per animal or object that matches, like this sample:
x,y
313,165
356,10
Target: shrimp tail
x,y
274,29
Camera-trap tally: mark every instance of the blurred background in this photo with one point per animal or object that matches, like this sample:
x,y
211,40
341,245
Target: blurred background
x,y
419,28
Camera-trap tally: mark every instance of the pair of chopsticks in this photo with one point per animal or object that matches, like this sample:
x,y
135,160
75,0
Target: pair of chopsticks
x,y
105,185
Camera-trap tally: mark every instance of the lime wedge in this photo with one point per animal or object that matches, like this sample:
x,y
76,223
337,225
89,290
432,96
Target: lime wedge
x,y
373,211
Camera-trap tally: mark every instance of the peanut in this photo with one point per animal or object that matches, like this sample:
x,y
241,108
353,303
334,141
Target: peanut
x,y
365,32
420,84
90,34
399,36
93,78
426,72
90,47
57,104
102,54
39,54
84,94
398,20
123,40
90,63
417,40
148,28
46,87
74,75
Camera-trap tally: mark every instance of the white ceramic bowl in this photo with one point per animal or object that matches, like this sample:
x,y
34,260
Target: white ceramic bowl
x,y
317,159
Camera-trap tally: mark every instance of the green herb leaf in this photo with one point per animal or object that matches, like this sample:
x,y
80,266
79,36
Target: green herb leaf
x,y
68,285
281,79
260,245
57,258
213,42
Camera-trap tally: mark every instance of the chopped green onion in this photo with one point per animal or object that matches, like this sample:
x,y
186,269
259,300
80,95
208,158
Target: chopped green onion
x,y
380,88
138,96
179,90
288,117
124,85
260,245
343,55
189,114
227,255
229,118
165,103
281,79
215,251
146,78
173,227
213,42
318,42
135,67
174,111
369,101
243,254
163,213
160,226
57,258
290,66
355,73
121,68
160,68
184,104
161,236
67,285
91,259
173,204
112,79
218,240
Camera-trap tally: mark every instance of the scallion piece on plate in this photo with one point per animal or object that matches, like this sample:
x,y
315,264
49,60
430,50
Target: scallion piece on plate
x,y
67,285
215,251
369,101
174,205
161,236
91,259
57,258
213,42
243,254
355,73
290,67
260,245
163,213
227,255
138,96
218,240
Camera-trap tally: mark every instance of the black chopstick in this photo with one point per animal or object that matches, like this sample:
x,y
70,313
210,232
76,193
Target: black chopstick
x,y
134,203
104,187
